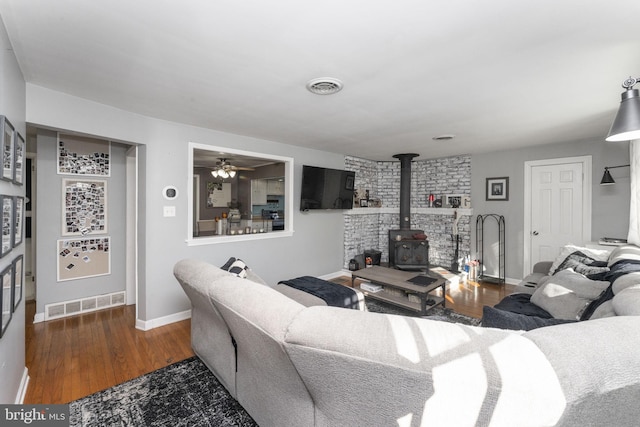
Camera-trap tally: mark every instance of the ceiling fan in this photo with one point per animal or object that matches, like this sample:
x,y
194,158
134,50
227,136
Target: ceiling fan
x,y
224,169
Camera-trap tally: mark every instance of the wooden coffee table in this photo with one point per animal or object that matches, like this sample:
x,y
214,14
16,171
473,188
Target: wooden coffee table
x,y
398,282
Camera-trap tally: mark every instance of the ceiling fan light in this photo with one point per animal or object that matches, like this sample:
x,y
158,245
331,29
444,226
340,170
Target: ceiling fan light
x,y
223,173
232,173
214,174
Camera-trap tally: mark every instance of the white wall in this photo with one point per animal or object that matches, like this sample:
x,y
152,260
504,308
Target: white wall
x,y
12,347
610,206
315,248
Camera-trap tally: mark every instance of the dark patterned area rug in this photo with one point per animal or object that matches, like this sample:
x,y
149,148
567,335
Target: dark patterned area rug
x,y
188,394
436,313
183,394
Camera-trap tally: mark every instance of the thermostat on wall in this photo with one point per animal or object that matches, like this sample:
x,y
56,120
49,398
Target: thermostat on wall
x,y
170,192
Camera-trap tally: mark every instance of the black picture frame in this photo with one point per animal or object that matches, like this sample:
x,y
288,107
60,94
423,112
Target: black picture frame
x,y
349,182
5,298
19,148
497,189
7,135
17,268
18,220
8,225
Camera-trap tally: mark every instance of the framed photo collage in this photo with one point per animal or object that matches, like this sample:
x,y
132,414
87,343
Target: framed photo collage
x,y
84,247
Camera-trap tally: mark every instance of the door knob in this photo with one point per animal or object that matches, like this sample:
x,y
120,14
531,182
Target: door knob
x,y
535,233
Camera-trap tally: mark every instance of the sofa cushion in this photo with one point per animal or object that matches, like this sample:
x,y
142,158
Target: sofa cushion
x,y
372,369
598,366
567,294
603,310
596,254
627,301
496,318
521,303
624,252
623,282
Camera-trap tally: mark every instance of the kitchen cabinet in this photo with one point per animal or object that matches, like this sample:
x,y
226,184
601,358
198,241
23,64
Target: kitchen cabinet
x,y
275,187
258,192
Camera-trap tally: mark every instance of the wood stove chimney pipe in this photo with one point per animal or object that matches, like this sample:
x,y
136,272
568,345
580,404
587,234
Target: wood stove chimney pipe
x,y
405,189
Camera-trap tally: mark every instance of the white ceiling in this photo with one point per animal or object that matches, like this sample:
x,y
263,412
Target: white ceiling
x,y
497,73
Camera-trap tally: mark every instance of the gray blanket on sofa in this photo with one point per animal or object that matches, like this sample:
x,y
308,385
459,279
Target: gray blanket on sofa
x,y
333,294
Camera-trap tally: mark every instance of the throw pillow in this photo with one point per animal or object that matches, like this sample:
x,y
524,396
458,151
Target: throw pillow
x,y
567,294
236,266
596,254
583,264
227,264
495,318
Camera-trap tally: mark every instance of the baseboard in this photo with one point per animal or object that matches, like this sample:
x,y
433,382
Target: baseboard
x,y
510,281
24,384
146,325
39,317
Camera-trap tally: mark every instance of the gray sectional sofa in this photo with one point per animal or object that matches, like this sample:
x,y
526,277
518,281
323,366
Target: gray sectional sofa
x,y
608,280
291,365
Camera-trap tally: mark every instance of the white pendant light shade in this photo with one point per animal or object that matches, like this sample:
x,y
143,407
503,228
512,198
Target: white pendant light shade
x,y
626,125
232,173
214,174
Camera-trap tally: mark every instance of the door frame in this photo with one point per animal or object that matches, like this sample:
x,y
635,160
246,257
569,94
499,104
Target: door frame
x,y
131,227
587,173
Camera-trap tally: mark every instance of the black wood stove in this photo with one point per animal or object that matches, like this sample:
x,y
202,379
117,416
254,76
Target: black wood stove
x,y
407,251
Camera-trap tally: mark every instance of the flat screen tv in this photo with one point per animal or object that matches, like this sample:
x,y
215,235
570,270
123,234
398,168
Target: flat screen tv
x,y
324,188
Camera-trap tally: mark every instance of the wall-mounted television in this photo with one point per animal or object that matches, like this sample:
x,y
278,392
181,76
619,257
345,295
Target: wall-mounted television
x,y
324,188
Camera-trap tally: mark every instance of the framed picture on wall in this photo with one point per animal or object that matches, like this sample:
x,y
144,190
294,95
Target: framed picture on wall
x,y
218,194
80,155
17,281
8,224
83,257
5,298
498,188
18,159
84,207
7,134
18,204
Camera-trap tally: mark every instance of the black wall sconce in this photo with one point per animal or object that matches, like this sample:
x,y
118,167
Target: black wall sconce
x,y
607,179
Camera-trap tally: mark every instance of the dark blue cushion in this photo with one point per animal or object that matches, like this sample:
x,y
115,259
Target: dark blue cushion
x,y
495,318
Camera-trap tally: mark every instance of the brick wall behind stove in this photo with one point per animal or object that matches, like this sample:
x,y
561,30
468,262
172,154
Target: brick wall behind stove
x,y
366,177
442,247
450,175
360,233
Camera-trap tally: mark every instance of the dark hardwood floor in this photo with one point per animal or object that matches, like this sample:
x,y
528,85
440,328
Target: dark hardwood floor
x,y
76,356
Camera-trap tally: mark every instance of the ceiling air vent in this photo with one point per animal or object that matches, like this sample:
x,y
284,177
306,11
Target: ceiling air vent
x,y
324,86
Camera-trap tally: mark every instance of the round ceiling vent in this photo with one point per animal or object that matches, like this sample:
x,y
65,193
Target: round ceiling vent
x,y
324,86
446,137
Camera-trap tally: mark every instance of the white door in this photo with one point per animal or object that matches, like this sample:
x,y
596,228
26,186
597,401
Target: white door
x,y
557,207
